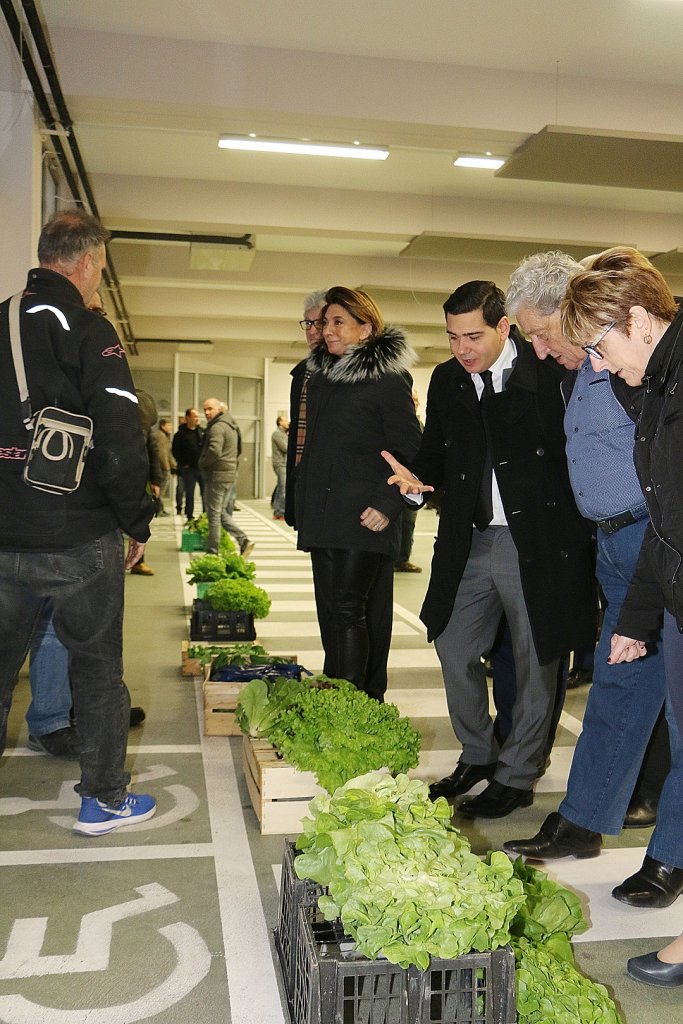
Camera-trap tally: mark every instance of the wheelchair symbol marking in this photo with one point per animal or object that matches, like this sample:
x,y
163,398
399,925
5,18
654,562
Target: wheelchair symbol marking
x,y
93,949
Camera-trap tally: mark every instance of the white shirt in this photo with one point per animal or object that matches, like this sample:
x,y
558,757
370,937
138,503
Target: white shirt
x,y
505,361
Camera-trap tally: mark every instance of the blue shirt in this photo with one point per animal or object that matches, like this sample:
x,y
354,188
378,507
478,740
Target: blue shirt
x,y
600,437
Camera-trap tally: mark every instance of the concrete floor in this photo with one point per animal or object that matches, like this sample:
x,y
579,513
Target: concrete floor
x,y
172,919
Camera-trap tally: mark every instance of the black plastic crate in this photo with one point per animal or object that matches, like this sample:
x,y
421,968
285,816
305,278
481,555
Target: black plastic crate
x,y
294,894
334,984
208,624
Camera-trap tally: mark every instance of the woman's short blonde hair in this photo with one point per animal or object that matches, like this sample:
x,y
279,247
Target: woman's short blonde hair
x,y
616,280
356,302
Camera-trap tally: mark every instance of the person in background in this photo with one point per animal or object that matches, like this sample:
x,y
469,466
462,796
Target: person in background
x,y
408,518
622,314
358,402
148,417
312,327
69,548
179,483
625,700
218,465
279,457
186,449
166,460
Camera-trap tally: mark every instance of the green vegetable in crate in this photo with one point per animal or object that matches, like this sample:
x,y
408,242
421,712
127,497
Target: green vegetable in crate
x,y
549,908
403,881
226,545
206,569
236,567
229,654
260,703
239,596
199,525
339,733
552,991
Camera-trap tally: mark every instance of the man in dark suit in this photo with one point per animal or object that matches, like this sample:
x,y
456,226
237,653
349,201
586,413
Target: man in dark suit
x,y
510,540
312,327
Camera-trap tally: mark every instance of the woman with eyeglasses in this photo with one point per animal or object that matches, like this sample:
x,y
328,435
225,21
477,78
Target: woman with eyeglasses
x,y
622,313
359,401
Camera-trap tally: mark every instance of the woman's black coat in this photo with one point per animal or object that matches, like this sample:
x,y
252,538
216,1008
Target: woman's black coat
x,y
525,426
357,405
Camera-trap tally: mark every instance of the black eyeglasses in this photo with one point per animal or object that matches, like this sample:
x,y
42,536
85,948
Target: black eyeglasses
x,y
305,324
592,349
99,311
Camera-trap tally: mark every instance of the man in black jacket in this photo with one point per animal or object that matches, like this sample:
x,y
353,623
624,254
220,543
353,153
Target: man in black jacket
x,y
69,548
186,448
494,442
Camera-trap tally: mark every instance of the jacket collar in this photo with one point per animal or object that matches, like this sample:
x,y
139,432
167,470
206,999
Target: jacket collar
x,y
41,280
386,353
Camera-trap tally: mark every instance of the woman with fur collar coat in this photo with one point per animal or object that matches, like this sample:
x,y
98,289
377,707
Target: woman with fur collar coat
x,y
359,402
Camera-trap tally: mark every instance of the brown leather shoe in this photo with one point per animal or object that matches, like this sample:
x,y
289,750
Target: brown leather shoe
x,y
655,885
142,569
407,567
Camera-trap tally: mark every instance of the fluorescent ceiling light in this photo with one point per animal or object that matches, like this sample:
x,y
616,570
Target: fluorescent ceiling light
x,y
355,152
491,163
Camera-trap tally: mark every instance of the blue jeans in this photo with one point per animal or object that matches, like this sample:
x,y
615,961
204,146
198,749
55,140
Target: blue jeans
x,y
51,698
85,585
623,704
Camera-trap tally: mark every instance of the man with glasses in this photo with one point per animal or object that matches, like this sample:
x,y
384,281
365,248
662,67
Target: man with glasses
x,y
311,325
625,699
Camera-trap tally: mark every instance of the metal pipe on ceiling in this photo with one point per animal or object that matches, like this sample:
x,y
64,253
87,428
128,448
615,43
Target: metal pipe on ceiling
x,y
76,176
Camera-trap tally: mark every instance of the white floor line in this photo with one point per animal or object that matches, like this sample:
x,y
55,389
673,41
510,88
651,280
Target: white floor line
x,y
95,854
282,574
290,588
571,724
252,984
297,630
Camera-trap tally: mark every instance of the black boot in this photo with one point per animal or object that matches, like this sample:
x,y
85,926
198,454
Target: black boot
x,y
557,838
656,885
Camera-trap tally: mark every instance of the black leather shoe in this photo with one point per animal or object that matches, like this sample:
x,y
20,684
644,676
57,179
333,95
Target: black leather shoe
x,y
557,838
656,885
653,971
60,743
461,780
137,716
641,813
496,801
579,677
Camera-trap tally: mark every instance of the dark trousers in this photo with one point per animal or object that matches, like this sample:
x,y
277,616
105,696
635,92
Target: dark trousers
x,y
407,525
85,584
191,477
354,601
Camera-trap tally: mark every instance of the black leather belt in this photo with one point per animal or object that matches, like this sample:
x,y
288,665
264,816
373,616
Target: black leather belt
x,y
616,523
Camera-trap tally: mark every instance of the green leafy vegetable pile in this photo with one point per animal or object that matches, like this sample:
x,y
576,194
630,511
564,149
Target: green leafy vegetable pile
x,y
210,568
239,595
403,881
230,654
340,732
550,989
260,703
200,525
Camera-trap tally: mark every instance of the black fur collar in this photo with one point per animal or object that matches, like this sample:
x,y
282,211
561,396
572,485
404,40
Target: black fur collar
x,y
388,352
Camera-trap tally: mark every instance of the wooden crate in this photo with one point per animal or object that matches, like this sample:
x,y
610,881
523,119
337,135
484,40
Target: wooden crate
x,y
189,666
220,704
280,794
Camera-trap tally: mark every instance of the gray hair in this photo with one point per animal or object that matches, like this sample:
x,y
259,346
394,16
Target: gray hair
x,y
67,235
314,301
540,282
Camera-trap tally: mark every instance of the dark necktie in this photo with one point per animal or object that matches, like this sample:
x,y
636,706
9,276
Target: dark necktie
x,y
483,511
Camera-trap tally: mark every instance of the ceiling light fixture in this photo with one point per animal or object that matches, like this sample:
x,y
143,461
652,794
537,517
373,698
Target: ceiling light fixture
x,y
355,152
490,163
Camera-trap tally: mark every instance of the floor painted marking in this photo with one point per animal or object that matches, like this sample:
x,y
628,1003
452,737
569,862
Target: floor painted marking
x,y
280,605
143,748
398,658
23,958
99,853
571,724
290,588
192,966
252,985
67,798
295,630
594,880
413,619
282,574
